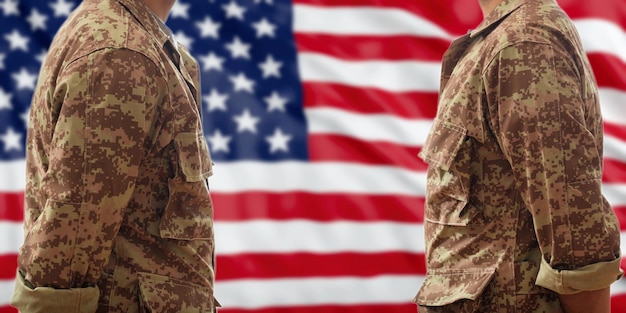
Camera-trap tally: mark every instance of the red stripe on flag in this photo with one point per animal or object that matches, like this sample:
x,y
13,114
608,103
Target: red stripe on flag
x,y
346,149
609,70
615,130
327,207
415,105
260,266
614,171
374,47
452,15
362,308
611,10
8,309
9,266
618,303
11,206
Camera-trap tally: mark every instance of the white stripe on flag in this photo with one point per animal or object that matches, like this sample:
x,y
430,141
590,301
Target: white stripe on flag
x,y
322,177
264,236
612,102
388,289
615,194
368,127
6,289
12,236
612,39
614,148
394,76
363,21
13,176
619,287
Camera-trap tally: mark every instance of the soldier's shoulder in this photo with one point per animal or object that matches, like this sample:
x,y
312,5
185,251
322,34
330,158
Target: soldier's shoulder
x,y
101,25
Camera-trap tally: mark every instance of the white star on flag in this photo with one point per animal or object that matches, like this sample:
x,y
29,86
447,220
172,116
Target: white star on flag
x,y
278,141
219,142
209,28
9,7
264,28
12,140
24,116
246,121
211,62
180,10
41,56
241,82
275,102
239,49
216,101
25,79
17,41
62,8
5,100
233,10
37,20
270,67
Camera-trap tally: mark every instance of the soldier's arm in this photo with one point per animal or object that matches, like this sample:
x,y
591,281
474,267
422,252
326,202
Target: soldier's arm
x,y
105,103
597,301
539,119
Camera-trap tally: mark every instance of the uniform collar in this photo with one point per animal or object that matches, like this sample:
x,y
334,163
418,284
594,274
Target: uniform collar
x,y
146,18
505,8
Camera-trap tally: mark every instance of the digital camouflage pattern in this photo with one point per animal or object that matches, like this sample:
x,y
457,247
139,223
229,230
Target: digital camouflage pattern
x,y
514,210
118,212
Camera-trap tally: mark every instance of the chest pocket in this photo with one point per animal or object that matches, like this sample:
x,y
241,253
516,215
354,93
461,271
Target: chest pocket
x,y
189,211
448,151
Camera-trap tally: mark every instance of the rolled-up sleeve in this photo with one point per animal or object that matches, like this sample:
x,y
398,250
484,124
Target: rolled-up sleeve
x,y
87,140
546,121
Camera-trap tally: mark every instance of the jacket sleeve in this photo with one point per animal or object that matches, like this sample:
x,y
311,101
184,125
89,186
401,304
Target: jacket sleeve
x,y
101,112
547,121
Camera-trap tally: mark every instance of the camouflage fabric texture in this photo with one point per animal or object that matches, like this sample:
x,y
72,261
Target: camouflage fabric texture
x,y
118,211
514,210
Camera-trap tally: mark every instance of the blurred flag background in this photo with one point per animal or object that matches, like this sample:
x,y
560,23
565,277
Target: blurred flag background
x,y
315,111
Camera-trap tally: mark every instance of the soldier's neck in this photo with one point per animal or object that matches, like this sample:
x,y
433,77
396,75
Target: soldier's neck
x,y
488,5
160,7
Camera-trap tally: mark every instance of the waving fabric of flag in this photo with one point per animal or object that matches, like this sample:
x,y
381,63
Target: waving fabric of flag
x,y
315,111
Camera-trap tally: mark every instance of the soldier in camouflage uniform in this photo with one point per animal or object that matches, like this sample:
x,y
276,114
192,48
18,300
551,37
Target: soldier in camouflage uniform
x,y
118,212
515,220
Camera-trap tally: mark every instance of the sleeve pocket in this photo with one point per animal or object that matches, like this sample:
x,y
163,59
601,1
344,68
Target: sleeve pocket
x,y
445,287
193,156
448,150
443,144
188,214
164,295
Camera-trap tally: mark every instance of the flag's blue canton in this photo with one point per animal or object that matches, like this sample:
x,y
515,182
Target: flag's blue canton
x,y
251,90
252,96
26,29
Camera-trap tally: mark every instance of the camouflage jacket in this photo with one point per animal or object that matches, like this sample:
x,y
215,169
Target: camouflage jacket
x,y
118,212
514,211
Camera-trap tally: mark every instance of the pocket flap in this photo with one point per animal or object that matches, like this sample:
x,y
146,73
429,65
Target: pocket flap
x,y
188,214
448,286
165,294
442,144
193,156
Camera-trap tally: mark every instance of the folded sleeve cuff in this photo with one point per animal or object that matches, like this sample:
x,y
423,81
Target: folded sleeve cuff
x,y
50,300
591,277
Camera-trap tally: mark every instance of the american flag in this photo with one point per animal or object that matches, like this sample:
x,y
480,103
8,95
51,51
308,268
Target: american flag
x,y
314,111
